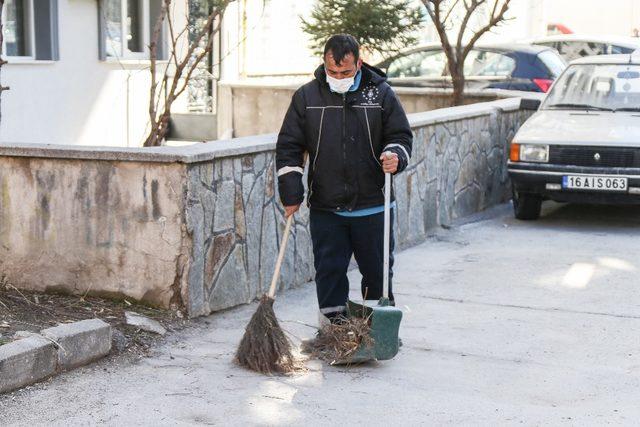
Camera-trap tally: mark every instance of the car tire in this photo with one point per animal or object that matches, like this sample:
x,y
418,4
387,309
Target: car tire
x,y
526,206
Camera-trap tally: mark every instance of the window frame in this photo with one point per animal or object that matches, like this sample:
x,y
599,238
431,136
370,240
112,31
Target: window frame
x,y
144,29
30,34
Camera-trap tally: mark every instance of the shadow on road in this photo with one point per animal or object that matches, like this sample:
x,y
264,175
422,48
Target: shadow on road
x,y
592,217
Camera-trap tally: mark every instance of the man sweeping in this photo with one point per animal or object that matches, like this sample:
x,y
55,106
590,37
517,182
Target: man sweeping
x,y
352,125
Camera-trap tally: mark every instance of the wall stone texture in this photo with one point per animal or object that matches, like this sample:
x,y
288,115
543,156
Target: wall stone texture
x,y
233,212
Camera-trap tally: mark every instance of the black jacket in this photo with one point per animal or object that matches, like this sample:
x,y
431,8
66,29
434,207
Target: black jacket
x,y
345,136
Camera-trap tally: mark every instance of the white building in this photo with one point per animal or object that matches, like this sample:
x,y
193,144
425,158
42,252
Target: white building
x,y
77,71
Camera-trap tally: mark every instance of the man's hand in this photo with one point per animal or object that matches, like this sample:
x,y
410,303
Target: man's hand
x,y
389,162
290,210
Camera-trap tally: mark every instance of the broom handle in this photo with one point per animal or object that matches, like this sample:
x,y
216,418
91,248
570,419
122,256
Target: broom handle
x,y
283,247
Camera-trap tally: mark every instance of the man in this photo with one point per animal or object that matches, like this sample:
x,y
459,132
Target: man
x,y
353,127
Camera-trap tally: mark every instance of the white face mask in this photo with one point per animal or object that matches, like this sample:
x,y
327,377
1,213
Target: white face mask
x,y
340,85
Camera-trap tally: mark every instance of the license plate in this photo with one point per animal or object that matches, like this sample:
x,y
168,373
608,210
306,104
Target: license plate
x,y
592,182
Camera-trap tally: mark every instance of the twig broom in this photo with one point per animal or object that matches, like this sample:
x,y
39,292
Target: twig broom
x,y
264,347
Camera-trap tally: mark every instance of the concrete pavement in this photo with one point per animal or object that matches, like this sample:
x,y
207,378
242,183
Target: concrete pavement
x,y
506,323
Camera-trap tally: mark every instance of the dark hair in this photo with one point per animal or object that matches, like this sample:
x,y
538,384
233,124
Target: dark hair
x,y
340,46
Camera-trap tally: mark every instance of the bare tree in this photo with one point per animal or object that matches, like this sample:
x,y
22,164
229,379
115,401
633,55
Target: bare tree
x,y
442,13
184,56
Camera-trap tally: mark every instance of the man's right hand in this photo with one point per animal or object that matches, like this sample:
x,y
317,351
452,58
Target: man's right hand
x,y
290,210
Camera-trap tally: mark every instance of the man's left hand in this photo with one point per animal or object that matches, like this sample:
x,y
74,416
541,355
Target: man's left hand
x,y
389,162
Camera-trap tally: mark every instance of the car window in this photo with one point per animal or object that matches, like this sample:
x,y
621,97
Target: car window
x,y
597,86
554,62
575,49
554,45
483,63
546,44
418,64
620,49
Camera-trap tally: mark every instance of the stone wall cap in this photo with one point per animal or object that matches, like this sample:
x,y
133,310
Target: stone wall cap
x,y
194,153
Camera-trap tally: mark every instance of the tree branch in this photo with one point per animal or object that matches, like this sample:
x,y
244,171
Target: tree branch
x,y
442,31
470,9
457,54
170,88
493,21
453,6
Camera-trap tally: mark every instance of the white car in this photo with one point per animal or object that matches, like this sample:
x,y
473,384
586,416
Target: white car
x,y
583,144
575,46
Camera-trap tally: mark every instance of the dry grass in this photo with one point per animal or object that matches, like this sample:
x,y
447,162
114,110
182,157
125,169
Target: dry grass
x,y
339,342
22,310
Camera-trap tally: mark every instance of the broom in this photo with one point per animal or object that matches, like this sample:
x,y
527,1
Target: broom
x,y
264,347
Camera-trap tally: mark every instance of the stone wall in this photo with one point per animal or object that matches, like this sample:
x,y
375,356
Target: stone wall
x,y
458,168
199,226
236,221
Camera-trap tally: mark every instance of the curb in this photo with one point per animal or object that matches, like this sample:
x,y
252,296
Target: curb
x,y
26,361
35,358
80,343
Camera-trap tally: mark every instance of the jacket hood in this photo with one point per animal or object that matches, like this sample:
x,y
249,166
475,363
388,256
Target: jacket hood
x,y
369,74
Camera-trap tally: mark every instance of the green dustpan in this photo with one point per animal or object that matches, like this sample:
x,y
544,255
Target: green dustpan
x,y
385,323
384,318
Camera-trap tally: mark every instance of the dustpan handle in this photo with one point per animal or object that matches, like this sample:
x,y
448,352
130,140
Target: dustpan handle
x,y
387,229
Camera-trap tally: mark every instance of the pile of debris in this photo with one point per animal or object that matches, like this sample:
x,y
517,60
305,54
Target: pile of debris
x,y
340,341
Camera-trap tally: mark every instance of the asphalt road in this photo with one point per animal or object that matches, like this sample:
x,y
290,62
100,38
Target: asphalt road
x,y
506,323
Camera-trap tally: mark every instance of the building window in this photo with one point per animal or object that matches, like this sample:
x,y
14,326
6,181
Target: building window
x,y
127,27
30,30
18,34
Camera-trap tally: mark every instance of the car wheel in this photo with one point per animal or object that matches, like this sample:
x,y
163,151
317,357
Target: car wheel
x,y
526,206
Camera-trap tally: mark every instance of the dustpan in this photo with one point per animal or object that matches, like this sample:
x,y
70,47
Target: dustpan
x,y
384,319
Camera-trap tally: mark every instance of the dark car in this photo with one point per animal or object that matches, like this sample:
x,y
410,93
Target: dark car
x,y
511,67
